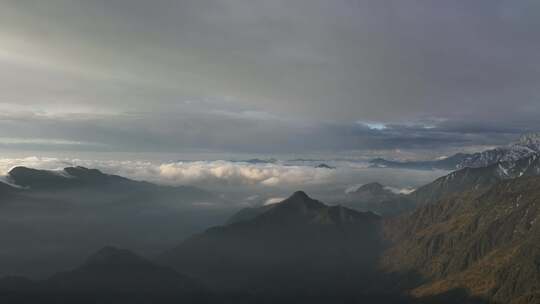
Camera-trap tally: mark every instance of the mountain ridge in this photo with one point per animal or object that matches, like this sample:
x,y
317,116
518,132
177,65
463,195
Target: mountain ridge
x,y
527,145
475,178
482,240
109,270
280,246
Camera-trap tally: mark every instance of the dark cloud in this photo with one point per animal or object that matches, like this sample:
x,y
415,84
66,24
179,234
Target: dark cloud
x,y
268,76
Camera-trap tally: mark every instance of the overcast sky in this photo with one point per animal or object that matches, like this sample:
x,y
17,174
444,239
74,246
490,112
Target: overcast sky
x,y
267,76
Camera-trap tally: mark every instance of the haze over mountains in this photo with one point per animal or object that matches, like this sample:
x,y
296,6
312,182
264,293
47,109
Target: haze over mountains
x,y
293,246
49,219
467,236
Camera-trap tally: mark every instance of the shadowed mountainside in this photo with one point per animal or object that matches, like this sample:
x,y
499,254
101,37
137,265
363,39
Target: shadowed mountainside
x,y
485,242
68,213
117,270
297,244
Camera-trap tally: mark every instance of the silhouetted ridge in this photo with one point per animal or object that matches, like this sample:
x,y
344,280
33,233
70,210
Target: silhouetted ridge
x,y
119,270
374,189
27,177
68,177
301,199
85,173
111,256
297,244
377,198
299,195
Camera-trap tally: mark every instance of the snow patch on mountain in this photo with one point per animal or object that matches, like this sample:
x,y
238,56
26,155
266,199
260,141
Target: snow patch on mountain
x,y
527,145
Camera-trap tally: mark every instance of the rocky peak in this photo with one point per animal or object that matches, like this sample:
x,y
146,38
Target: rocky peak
x,y
530,140
300,198
299,195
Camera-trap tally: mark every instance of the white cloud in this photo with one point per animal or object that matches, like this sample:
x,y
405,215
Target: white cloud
x,y
405,190
252,198
242,173
353,188
240,179
400,190
376,126
274,200
6,164
183,173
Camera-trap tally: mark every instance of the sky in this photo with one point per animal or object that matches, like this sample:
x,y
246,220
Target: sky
x,y
403,78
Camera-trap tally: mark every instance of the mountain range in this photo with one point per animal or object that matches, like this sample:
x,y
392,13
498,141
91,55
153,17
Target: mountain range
x,y
377,198
527,145
79,209
469,237
468,179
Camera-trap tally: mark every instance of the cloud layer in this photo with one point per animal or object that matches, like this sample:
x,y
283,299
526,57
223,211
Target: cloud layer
x,y
267,76
244,173
190,173
231,176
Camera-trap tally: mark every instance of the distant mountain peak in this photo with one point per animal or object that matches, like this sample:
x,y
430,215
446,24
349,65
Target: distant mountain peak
x,y
301,200
19,170
375,186
112,256
118,270
372,191
28,177
299,195
86,174
82,170
68,177
294,244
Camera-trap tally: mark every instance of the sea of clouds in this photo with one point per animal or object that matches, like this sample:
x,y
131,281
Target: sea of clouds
x,y
252,177
214,172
